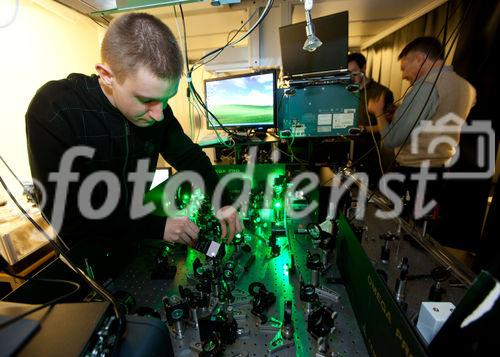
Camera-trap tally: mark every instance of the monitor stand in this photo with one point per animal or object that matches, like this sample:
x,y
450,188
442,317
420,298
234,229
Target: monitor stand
x,y
258,132
261,134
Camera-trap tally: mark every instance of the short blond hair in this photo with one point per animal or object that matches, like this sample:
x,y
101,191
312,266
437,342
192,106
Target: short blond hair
x,y
141,39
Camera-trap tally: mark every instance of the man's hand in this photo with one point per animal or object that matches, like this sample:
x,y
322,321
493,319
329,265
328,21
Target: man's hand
x,y
230,222
180,230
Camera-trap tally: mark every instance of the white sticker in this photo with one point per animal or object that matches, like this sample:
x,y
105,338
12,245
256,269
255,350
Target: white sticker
x,y
299,130
351,110
343,120
325,119
324,128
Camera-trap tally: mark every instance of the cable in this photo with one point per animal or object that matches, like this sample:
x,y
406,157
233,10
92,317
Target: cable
x,y
194,105
185,38
199,110
187,68
181,39
200,101
183,43
234,30
98,23
293,157
49,303
39,279
289,146
65,259
232,142
370,122
216,52
34,199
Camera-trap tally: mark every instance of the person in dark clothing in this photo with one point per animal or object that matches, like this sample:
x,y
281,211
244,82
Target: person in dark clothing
x,y
356,63
105,129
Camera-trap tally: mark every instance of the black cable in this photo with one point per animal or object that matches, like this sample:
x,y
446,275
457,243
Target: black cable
x,y
98,23
95,286
200,62
34,199
185,38
230,42
280,102
39,279
49,303
229,34
219,50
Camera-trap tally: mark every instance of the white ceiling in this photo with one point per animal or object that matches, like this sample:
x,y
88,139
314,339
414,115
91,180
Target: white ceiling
x,y
366,17
208,26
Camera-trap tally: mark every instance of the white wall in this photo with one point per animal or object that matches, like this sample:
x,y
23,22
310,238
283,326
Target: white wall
x,y
45,41
48,41
180,105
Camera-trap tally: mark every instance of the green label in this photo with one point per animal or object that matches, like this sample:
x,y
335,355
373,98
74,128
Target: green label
x,y
383,325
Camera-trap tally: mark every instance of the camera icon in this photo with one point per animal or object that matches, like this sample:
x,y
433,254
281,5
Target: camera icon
x,y
445,134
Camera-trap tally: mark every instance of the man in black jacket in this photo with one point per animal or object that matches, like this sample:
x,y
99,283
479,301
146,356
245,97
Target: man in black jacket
x,y
364,150
122,115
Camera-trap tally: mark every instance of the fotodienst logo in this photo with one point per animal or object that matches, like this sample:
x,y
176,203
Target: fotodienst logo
x,y
430,141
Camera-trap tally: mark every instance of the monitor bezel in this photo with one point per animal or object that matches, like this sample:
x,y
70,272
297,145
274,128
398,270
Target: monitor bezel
x,y
273,71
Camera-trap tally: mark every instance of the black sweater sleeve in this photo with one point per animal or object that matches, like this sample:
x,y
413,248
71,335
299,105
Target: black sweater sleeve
x,y
180,152
49,135
63,114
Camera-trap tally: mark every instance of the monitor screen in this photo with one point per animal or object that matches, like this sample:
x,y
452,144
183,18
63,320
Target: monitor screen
x,y
329,57
243,101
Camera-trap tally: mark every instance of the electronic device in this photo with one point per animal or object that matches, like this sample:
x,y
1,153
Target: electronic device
x,y
432,317
330,58
84,327
245,101
80,329
317,111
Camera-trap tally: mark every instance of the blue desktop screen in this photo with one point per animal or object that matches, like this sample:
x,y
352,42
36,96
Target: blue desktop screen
x,y
242,101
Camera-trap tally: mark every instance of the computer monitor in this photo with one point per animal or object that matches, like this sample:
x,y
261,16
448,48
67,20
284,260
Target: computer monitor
x,y
329,58
246,101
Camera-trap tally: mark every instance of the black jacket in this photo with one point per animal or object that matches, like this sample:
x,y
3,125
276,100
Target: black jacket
x,y
75,111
